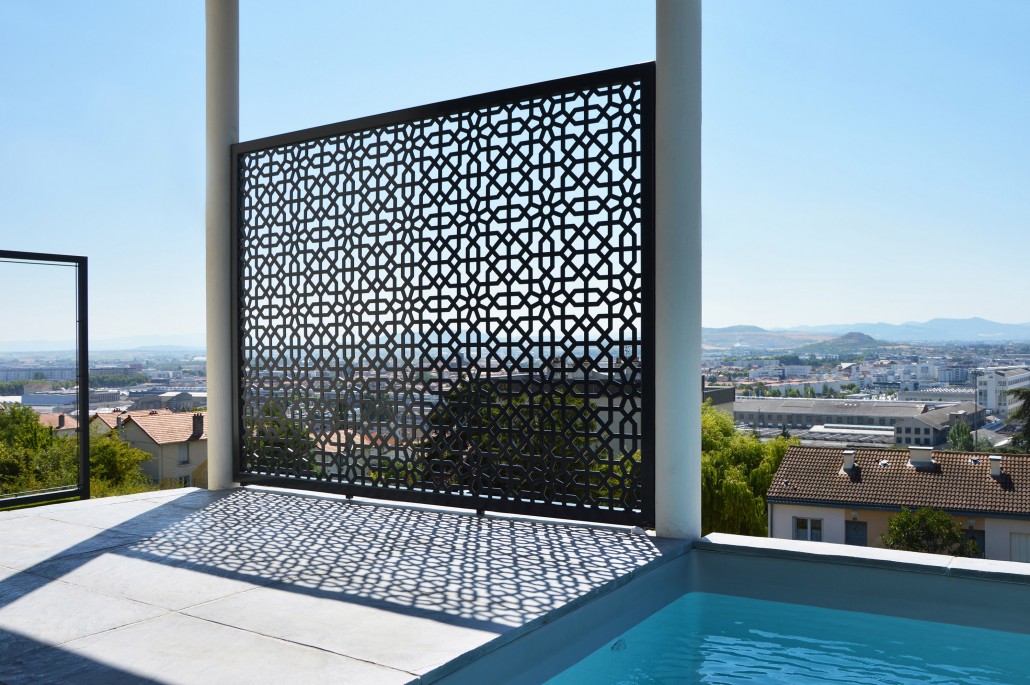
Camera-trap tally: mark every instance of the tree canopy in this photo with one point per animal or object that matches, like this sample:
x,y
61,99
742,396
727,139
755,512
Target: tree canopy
x,y
1022,414
736,471
927,530
32,457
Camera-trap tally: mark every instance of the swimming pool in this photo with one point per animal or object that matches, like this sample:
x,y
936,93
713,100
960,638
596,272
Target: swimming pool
x,y
711,638
839,612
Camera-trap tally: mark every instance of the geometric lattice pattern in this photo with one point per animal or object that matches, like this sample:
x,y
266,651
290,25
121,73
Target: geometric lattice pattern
x,y
449,304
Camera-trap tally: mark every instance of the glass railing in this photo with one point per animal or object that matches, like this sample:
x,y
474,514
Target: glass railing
x,y
44,396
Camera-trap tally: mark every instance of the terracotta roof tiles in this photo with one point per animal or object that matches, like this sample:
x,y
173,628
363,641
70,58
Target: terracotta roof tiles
x,y
52,421
956,481
169,427
111,418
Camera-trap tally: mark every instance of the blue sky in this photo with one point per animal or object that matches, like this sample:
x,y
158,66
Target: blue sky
x,y
863,161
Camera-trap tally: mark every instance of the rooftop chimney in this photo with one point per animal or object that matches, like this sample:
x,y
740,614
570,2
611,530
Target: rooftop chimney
x,y
60,420
118,422
995,465
198,426
849,460
920,457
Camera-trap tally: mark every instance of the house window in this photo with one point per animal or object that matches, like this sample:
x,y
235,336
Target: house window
x,y
908,429
184,453
808,529
184,481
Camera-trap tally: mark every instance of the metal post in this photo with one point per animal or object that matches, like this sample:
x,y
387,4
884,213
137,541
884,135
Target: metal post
x,y
222,131
678,269
82,346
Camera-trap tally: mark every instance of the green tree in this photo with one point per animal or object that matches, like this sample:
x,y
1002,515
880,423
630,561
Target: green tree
x,y
793,392
927,530
960,438
20,427
773,392
736,471
809,391
32,458
1021,440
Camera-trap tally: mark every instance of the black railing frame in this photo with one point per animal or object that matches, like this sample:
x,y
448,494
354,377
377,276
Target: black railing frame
x,y
645,74
82,360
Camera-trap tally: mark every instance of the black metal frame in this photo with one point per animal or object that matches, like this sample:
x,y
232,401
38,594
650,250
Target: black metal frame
x,y
643,512
82,360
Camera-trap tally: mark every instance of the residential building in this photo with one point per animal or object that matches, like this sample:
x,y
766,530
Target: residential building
x,y
178,442
780,372
61,424
993,385
102,422
931,428
847,496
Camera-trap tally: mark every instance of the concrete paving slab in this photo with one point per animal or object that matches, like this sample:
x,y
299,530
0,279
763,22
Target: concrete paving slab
x,y
400,640
160,584
25,542
176,649
142,518
404,590
36,612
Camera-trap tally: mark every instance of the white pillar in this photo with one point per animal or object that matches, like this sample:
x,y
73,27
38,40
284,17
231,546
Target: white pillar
x,y
678,269
223,105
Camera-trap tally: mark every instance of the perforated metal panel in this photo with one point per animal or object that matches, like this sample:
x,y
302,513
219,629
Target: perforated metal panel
x,y
451,304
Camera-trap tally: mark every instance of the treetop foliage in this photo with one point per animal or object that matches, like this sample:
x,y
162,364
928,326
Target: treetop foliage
x,y
32,457
927,530
736,472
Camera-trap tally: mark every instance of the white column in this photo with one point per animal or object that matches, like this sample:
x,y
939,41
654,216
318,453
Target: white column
x,y
678,269
223,105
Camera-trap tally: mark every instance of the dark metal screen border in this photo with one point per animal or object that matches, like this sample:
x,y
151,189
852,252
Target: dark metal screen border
x,y
81,490
644,74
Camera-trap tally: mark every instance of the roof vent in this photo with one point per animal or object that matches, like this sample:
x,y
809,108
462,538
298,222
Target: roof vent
x,y
995,461
849,460
920,457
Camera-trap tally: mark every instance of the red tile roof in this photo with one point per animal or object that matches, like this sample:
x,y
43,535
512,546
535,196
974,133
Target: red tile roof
x,y
111,418
51,421
956,481
168,427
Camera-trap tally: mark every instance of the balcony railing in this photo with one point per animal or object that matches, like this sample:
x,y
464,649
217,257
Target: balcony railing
x,y
452,304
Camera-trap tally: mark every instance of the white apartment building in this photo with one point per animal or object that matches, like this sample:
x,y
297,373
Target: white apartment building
x,y
781,372
993,384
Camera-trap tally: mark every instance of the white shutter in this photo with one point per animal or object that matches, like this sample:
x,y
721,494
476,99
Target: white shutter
x,y
1019,546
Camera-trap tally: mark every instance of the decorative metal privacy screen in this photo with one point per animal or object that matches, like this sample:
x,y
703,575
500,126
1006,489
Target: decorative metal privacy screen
x,y
451,304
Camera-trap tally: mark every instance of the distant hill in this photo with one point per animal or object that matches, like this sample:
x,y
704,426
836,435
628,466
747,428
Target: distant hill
x,y
849,343
753,338
974,329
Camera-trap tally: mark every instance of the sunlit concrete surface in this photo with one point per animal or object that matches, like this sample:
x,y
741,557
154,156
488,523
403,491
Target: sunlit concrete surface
x,y
252,586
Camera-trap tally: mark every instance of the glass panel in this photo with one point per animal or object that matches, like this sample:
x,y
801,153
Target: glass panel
x,y
817,529
39,407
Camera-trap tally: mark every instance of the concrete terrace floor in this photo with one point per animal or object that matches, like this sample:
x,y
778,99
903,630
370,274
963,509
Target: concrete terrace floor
x,y
254,586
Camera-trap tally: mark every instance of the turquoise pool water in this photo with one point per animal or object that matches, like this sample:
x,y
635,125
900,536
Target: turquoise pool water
x,y
705,638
